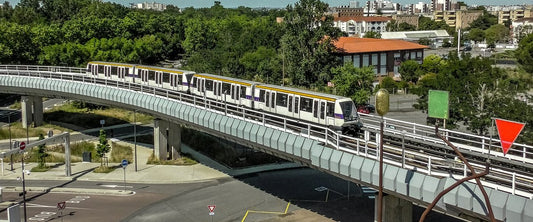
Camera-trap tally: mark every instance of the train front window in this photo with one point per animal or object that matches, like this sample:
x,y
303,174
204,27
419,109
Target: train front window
x,y
348,110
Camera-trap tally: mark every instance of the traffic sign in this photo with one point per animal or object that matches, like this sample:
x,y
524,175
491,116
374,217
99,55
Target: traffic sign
x,y
124,163
211,209
61,205
22,145
508,131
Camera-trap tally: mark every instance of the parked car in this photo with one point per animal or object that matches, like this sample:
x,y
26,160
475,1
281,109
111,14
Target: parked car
x,y
366,108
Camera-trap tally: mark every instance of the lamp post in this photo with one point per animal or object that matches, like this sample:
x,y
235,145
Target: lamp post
x,y
382,107
135,136
10,145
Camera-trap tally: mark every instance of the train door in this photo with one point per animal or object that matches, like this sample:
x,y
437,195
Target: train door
x,y
173,81
107,72
296,107
235,94
290,106
144,76
322,112
159,79
330,113
121,72
94,70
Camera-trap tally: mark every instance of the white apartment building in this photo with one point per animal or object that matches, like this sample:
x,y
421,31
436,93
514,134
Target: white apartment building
x,y
520,28
149,5
358,26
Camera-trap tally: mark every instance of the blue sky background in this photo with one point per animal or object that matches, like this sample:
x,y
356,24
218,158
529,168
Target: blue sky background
x,y
283,3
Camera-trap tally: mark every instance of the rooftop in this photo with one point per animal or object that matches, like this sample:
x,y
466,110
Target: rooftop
x,y
363,18
361,45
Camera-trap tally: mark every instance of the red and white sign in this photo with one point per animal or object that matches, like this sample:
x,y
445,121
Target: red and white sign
x,y
211,208
508,131
61,205
22,145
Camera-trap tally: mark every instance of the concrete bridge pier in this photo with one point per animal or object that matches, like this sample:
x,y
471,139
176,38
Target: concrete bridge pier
x,y
32,110
395,209
167,140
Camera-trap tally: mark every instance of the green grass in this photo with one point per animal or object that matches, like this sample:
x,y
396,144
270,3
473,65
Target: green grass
x,y
40,169
183,161
105,169
90,118
120,152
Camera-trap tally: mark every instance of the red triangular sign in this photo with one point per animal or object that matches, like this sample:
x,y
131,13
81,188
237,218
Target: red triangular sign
x,y
211,208
508,132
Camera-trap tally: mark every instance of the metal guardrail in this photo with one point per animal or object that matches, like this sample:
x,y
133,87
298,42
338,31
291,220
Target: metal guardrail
x,y
512,182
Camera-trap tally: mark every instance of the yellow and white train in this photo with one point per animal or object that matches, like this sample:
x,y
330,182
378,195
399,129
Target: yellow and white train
x,y
336,112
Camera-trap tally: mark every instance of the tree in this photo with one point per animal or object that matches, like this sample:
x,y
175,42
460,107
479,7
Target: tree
x,y
307,45
103,146
496,34
372,34
389,84
41,153
484,21
524,53
476,35
410,71
353,82
424,41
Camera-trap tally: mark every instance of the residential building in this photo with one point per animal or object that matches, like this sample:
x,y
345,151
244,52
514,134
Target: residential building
x,y
346,11
358,26
443,5
384,55
149,5
409,19
437,37
381,8
520,28
459,19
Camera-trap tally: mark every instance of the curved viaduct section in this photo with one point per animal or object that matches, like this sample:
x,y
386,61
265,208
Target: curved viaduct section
x,y
402,184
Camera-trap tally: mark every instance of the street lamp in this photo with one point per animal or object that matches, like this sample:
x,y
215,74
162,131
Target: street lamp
x,y
382,107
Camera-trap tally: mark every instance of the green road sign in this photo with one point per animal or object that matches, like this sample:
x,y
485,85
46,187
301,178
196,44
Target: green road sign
x,y
438,104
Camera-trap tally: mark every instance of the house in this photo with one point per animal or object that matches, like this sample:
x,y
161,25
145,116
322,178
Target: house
x,y
385,55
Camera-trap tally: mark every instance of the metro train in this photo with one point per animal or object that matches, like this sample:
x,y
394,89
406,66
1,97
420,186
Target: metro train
x,y
336,112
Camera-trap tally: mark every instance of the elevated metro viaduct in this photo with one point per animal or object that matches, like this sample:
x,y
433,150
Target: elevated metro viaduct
x,y
404,187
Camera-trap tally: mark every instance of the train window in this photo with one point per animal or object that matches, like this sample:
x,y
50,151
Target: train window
x,y
330,111
194,82
243,91
315,109
180,81
151,75
100,69
226,88
296,104
166,77
209,85
262,95
114,70
267,99
307,105
281,100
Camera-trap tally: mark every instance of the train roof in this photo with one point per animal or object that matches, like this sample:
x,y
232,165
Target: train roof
x,y
154,68
111,63
301,92
226,79
163,69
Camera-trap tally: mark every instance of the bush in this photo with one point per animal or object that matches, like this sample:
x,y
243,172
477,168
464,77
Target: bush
x,y
183,161
105,169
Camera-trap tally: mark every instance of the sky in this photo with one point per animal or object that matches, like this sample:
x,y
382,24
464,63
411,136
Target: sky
x,y
283,3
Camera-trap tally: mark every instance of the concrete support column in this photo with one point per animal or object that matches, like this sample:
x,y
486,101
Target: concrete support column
x,y
174,140
37,110
27,113
160,139
395,209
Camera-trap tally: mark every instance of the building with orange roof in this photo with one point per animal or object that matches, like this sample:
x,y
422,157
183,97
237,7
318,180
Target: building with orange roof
x,y
385,55
359,25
